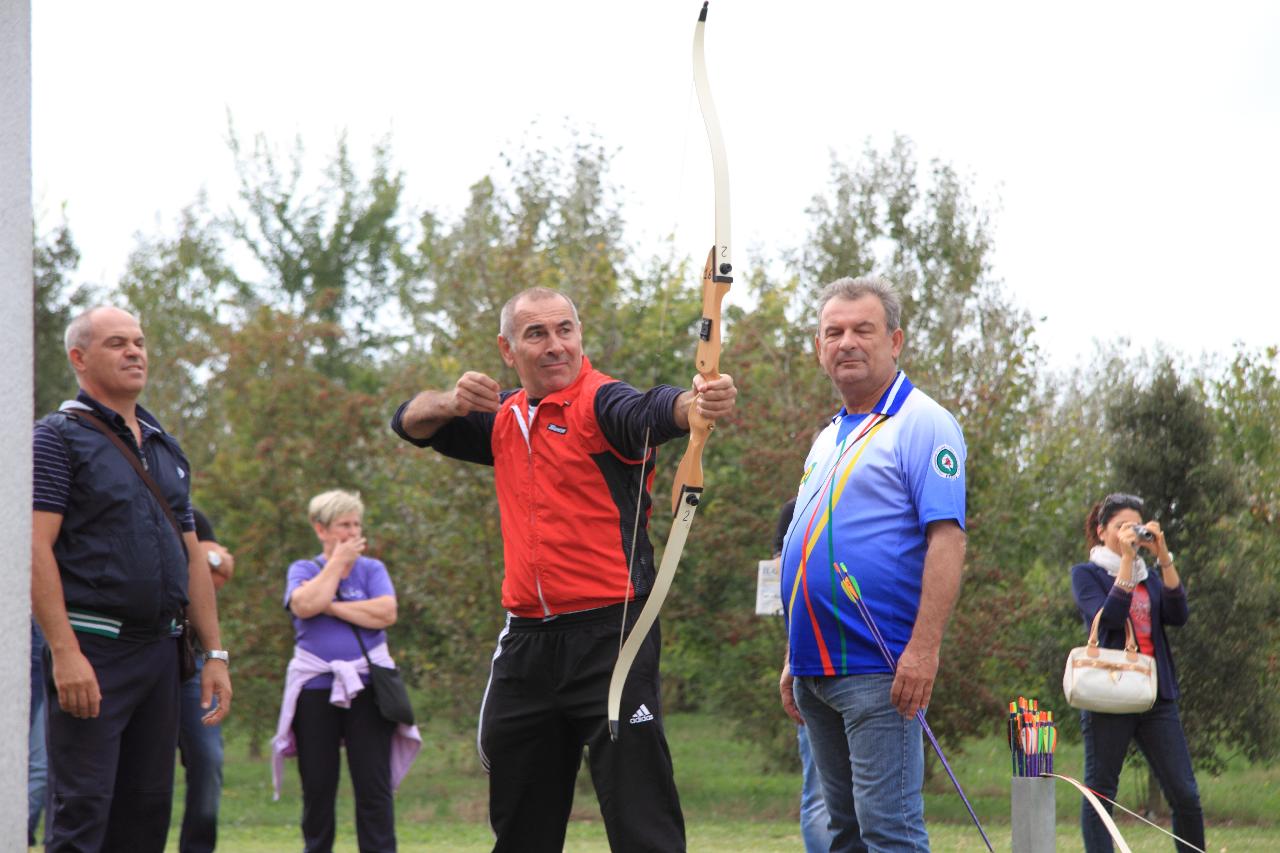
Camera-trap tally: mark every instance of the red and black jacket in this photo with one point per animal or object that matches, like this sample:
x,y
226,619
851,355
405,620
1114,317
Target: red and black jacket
x,y
567,482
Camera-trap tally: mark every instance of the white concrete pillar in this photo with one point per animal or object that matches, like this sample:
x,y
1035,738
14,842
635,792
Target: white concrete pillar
x,y
16,390
1032,814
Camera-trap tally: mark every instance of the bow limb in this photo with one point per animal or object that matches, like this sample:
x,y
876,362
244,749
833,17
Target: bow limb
x,y
720,265
716,274
649,613
686,491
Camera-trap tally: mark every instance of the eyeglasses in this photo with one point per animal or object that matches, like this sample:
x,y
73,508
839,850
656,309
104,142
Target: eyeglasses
x,y
1116,502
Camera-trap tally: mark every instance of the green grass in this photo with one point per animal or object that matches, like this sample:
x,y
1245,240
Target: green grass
x,y
730,803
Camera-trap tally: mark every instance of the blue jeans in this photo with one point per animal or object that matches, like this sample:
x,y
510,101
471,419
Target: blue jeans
x,y
37,757
1159,736
201,748
814,828
870,759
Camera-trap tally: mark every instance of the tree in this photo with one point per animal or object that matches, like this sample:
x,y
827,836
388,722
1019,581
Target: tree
x,y
282,432
1166,450
182,290
967,346
56,301
335,255
1247,399
554,224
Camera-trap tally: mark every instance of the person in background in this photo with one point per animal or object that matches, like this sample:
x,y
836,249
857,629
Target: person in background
x,y
201,745
37,757
1118,582
113,564
880,509
326,702
814,820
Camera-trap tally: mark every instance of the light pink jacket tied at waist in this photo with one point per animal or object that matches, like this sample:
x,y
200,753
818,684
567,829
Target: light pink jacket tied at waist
x,y
305,666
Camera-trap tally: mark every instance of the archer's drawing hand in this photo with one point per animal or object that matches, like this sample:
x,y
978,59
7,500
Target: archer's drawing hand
x,y
475,392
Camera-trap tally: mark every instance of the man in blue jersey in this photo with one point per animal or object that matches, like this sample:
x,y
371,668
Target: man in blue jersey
x,y
871,569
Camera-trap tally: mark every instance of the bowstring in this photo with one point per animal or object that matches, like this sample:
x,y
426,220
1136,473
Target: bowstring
x,y
1102,796
653,376
635,532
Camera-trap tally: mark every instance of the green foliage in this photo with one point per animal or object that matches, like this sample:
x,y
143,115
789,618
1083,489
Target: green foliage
x,y
966,346
284,332
178,286
1248,405
1166,451
56,302
730,804
334,255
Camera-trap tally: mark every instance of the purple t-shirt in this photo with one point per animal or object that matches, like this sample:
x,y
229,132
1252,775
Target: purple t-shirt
x,y
330,638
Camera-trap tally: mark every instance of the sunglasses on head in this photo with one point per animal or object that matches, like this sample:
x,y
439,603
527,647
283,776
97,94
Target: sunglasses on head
x,y
1113,503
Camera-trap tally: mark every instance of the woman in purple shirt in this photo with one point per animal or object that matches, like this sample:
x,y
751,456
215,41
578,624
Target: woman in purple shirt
x,y
331,597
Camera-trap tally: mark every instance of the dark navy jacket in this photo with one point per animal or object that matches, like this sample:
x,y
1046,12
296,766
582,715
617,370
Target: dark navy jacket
x,y
117,553
1093,588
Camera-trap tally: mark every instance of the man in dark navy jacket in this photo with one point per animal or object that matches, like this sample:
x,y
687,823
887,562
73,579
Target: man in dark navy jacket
x,y
109,577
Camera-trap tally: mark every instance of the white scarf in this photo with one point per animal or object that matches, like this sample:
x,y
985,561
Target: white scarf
x,y
1103,556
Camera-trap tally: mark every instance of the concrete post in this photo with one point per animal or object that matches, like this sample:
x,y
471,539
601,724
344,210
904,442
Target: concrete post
x,y
16,390
1032,805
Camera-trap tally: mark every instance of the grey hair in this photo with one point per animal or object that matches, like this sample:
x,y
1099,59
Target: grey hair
x,y
507,321
79,333
327,506
856,288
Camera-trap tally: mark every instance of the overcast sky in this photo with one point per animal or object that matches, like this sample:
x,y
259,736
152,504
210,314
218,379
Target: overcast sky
x,y
1127,151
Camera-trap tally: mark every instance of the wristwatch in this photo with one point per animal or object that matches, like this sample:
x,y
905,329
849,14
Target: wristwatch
x,y
218,654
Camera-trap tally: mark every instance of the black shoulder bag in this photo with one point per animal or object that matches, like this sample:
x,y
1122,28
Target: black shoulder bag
x,y
389,692
186,645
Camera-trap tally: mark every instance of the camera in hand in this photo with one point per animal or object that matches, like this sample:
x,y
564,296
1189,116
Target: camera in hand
x,y
1143,533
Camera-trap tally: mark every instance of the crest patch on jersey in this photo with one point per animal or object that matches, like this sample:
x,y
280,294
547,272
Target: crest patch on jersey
x,y
946,462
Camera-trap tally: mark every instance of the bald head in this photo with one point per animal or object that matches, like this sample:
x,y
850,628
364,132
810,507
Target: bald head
x,y
79,334
507,319
108,353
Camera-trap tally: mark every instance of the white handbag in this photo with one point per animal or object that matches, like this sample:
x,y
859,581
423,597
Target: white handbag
x,y
1113,681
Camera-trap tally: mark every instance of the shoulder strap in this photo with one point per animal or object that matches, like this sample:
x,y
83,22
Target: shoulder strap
x,y
97,423
354,627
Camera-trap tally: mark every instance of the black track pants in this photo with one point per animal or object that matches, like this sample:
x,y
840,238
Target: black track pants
x,y
545,701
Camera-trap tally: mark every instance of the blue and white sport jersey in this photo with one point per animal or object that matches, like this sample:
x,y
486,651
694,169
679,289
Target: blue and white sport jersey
x,y
884,476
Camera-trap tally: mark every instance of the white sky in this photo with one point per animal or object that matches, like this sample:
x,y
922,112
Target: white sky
x,y
1127,150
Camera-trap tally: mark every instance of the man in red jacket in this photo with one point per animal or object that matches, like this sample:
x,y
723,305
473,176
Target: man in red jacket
x,y
573,452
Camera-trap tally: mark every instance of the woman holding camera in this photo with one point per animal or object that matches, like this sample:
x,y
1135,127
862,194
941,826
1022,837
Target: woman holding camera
x,y
1117,581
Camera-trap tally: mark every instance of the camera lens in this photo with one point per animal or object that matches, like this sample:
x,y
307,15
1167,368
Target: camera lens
x,y
1143,533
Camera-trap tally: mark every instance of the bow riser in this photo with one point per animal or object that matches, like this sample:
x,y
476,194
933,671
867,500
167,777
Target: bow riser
x,y
714,290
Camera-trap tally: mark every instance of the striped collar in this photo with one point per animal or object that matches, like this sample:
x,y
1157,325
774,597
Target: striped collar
x,y
890,401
